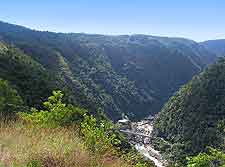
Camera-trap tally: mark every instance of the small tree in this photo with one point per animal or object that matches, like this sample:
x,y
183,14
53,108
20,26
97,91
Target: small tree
x,y
10,101
56,114
97,136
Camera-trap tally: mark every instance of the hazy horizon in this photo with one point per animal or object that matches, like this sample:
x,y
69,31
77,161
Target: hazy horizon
x,y
199,21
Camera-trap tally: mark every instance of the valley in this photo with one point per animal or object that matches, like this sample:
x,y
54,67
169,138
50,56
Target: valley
x,y
133,75
171,89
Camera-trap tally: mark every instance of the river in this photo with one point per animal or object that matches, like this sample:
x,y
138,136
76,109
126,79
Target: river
x,y
140,135
145,151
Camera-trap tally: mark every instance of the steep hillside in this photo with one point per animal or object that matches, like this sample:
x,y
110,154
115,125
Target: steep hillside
x,y
10,101
31,80
195,117
121,74
215,46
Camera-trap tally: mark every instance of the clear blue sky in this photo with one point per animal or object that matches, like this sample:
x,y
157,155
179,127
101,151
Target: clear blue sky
x,y
195,19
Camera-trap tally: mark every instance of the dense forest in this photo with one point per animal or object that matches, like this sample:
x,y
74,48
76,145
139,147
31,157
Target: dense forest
x,y
134,74
194,118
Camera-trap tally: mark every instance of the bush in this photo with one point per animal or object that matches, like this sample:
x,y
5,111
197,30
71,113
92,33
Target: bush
x,y
213,158
97,136
56,114
98,133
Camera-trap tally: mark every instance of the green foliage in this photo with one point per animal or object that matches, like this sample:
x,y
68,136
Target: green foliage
x,y
213,158
56,114
101,137
10,101
31,80
140,165
194,118
98,133
121,74
97,136
34,163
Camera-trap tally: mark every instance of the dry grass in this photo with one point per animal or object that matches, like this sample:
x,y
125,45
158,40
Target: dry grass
x,y
59,147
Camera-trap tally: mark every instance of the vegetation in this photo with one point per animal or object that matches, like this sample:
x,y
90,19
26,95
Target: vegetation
x,y
212,158
61,136
108,76
134,74
32,82
194,118
215,46
56,114
23,145
10,101
29,84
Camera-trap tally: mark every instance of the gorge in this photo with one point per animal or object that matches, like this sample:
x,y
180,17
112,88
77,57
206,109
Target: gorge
x,y
91,81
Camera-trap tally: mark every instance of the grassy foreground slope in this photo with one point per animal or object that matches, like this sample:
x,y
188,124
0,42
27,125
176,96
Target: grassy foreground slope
x,y
59,147
59,135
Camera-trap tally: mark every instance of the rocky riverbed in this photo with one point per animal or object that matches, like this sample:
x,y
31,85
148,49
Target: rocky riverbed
x,y
140,134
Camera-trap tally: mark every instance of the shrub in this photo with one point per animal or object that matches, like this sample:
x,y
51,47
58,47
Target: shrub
x,y
213,158
97,136
56,114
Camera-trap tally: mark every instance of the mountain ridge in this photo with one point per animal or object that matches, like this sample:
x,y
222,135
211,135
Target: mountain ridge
x,y
216,46
133,74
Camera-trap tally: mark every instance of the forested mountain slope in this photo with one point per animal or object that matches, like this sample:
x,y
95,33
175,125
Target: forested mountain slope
x,y
195,117
215,46
10,101
121,74
32,81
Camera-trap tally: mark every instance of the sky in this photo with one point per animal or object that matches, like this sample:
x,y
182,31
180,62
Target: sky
x,y
194,19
